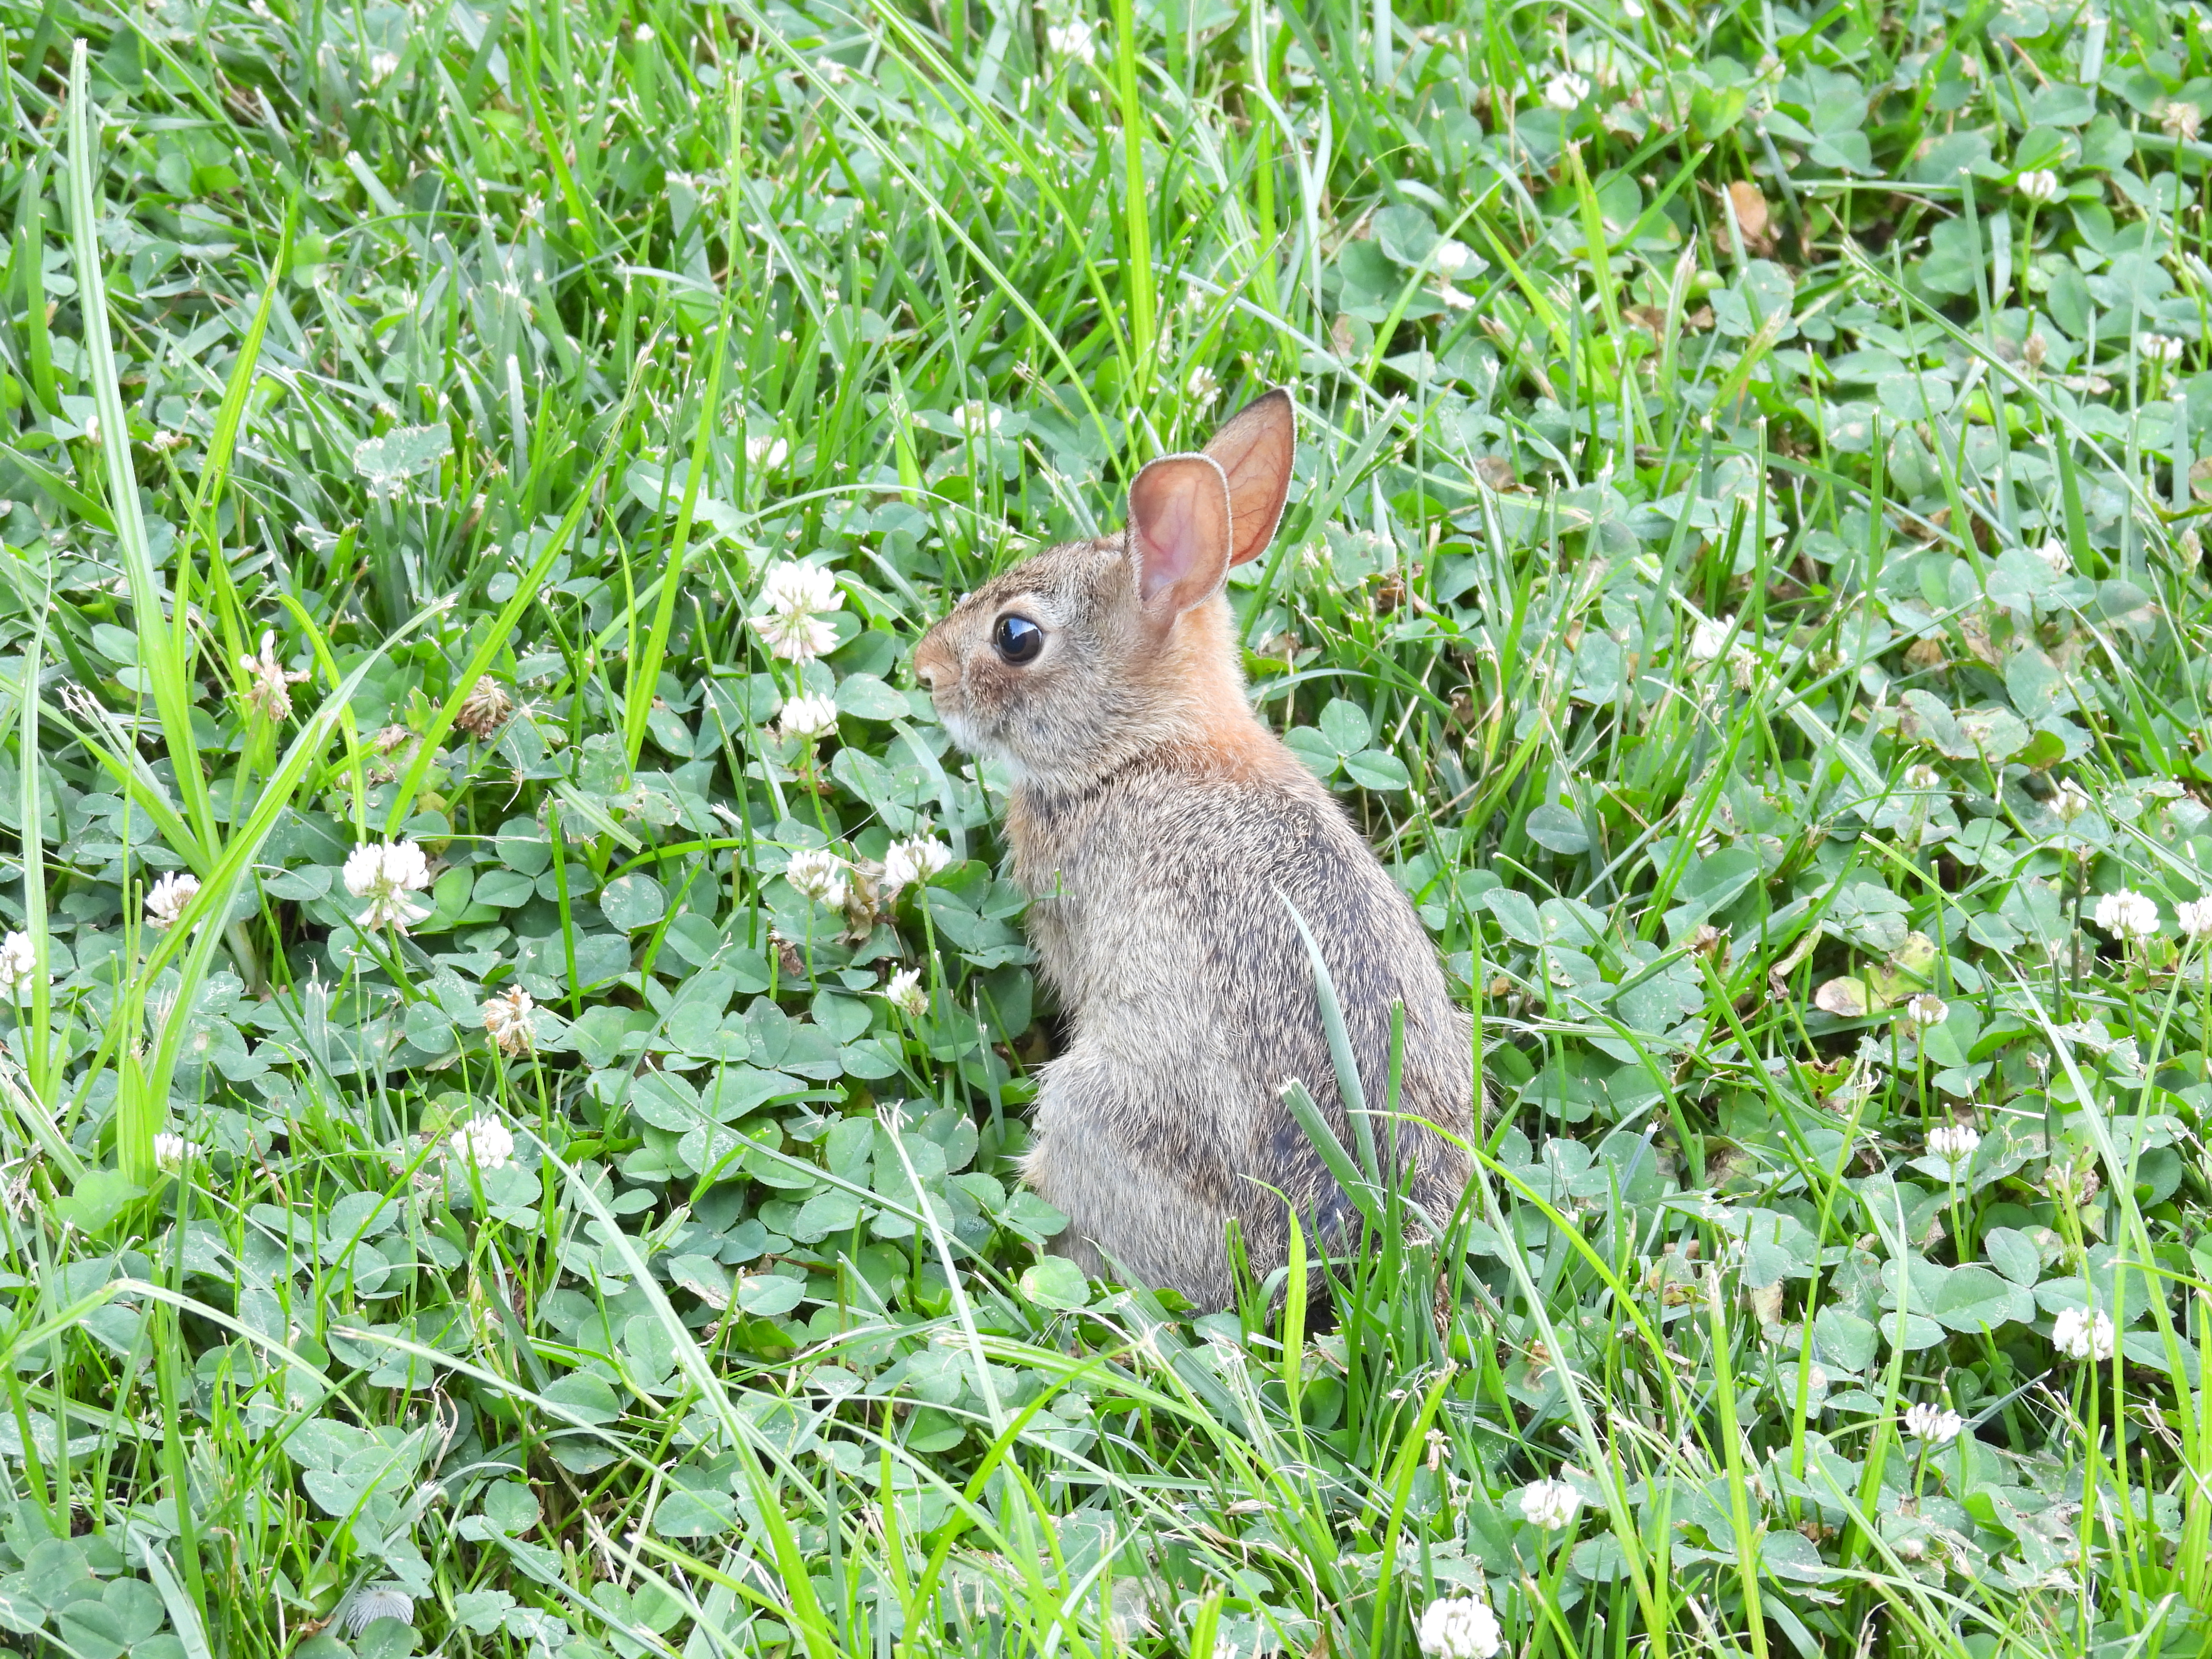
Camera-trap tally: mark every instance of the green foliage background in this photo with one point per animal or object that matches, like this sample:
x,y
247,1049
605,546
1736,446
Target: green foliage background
x,y
1743,573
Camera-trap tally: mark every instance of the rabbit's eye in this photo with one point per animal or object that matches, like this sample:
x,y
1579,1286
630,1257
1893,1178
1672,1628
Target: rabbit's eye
x,y
1017,639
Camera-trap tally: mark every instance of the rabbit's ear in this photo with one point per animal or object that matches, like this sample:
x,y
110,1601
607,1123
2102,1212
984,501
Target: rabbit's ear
x,y
1179,517
1255,446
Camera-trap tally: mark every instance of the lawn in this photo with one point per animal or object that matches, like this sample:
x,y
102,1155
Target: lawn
x,y
517,1027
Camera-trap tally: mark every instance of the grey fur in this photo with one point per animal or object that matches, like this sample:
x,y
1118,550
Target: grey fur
x,y
1158,825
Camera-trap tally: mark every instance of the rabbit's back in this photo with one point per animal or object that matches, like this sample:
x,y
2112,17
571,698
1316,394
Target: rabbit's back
x,y
1158,914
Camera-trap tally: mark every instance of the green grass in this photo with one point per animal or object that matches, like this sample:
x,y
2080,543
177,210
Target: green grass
x,y
1744,573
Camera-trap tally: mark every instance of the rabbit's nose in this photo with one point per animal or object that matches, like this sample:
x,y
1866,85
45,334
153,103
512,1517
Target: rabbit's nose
x,y
930,665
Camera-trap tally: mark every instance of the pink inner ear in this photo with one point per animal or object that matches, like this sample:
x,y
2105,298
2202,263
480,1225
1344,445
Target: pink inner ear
x,y
1179,530
1255,447
1170,543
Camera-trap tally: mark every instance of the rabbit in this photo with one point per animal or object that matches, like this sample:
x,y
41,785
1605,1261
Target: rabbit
x,y
1157,826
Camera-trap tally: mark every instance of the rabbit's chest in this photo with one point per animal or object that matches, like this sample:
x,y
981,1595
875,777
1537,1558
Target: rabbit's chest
x,y
1095,917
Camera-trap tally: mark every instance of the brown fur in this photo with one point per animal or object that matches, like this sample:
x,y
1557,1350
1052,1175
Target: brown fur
x,y
1158,825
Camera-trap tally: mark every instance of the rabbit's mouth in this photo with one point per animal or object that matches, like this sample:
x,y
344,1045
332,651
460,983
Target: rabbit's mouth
x,y
973,737
962,729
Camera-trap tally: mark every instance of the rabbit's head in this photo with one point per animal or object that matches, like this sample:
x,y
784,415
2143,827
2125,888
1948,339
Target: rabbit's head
x,y
1093,652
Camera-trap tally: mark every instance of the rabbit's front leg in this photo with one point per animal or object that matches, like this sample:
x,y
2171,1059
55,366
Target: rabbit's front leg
x,y
1094,1161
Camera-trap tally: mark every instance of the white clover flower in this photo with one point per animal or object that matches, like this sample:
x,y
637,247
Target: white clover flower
x,y
794,599
1203,387
977,419
268,683
766,453
905,992
1932,1423
2196,917
1073,39
19,966
168,896
819,875
918,858
794,635
2071,801
791,586
1550,1504
1926,1009
172,1152
385,876
808,718
484,1141
1460,1627
1565,90
1955,1141
2159,347
1923,777
2053,553
2038,184
1452,257
506,1021
2126,913
642,34
1709,637
2081,1334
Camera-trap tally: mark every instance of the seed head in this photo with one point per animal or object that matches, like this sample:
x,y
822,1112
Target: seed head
x,y
485,709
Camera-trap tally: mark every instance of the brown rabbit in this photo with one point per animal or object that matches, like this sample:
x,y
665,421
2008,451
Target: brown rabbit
x,y
1158,826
